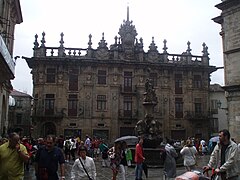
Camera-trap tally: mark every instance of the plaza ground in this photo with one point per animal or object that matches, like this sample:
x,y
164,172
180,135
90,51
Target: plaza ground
x,y
105,173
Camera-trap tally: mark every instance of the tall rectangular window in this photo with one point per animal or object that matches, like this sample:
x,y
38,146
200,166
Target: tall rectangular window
x,y
197,81
19,103
102,77
101,102
19,118
214,106
49,104
127,81
51,73
127,103
72,104
153,77
178,108
178,83
73,80
198,106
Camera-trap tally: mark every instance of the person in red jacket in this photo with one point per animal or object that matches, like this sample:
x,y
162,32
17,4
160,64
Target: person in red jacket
x,y
139,158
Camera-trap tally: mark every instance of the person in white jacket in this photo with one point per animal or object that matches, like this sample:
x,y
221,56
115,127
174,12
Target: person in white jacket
x,y
84,167
189,155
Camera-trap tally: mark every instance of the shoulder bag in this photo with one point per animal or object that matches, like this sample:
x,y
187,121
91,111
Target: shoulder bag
x,y
85,169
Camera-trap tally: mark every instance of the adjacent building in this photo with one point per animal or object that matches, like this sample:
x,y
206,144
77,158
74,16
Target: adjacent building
x,y
230,23
99,92
10,15
19,115
218,109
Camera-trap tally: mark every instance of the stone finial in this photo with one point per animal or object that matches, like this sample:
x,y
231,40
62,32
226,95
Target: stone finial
x,y
119,40
153,46
136,41
189,49
115,38
102,43
43,40
165,46
90,42
141,41
103,36
36,44
205,50
127,13
140,45
61,41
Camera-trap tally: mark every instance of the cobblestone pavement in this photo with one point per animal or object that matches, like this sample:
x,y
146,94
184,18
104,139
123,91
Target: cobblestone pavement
x,y
105,173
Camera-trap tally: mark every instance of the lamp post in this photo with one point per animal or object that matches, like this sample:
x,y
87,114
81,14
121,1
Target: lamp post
x,y
219,104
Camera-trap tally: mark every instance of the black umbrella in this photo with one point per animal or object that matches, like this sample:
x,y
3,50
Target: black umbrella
x,y
145,169
130,140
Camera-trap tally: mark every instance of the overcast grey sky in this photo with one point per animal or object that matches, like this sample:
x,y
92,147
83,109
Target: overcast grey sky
x,y
177,21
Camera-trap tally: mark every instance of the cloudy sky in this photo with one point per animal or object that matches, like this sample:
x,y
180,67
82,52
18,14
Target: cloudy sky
x,y
177,21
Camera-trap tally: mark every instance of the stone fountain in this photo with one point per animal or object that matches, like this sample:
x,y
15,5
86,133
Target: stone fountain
x,y
149,128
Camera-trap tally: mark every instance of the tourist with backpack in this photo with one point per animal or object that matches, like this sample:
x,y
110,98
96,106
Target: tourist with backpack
x,y
67,146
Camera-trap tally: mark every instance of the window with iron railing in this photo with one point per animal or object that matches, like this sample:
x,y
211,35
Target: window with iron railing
x,y
101,102
178,84
72,105
73,80
51,75
127,81
127,103
197,81
178,108
102,77
49,104
198,106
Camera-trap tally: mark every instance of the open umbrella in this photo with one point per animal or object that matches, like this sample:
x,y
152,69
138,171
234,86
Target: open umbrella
x,y
130,140
214,139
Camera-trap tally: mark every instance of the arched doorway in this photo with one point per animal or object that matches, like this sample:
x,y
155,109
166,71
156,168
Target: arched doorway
x,y
48,128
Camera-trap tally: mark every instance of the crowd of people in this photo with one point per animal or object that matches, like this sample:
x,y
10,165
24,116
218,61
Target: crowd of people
x,y
48,156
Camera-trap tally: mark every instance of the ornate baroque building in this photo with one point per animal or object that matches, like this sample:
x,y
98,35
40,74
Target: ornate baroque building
x,y
10,15
230,23
100,91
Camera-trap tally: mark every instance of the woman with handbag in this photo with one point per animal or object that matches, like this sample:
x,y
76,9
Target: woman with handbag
x,y
84,167
189,155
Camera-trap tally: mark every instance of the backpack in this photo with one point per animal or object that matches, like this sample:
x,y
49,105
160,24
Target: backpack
x,y
163,154
67,144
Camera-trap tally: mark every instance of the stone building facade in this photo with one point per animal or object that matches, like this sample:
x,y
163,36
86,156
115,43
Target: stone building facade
x,y
10,15
99,92
230,23
218,108
19,115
